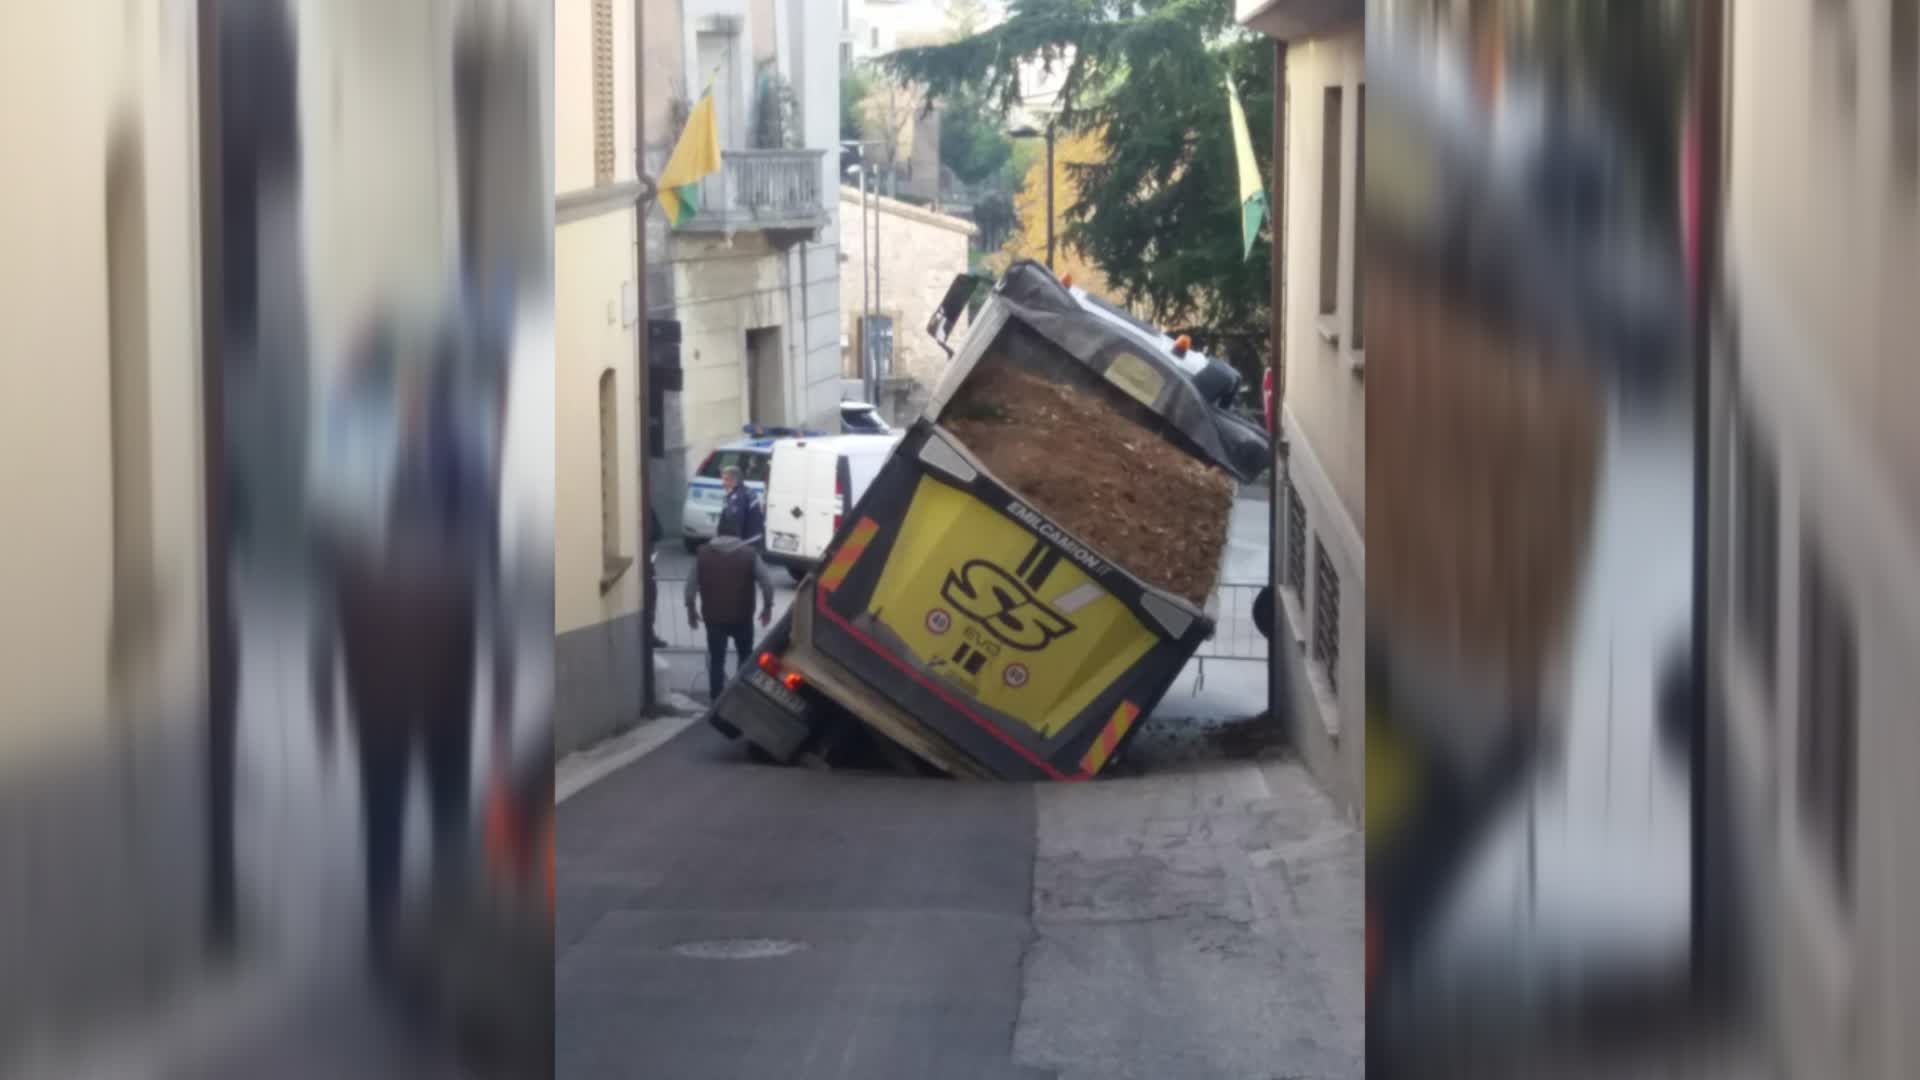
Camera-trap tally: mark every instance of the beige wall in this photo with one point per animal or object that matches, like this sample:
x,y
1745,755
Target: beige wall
x,y
55,388
1822,256
573,90
724,290
663,73
1826,212
1324,419
920,252
763,28
1323,396
593,260
377,151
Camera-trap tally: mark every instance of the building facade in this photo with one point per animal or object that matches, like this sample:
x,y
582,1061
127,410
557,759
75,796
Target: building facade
x,y
752,281
599,475
1319,647
1814,521
919,254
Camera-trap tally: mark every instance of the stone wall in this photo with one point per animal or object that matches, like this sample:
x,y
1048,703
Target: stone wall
x,y
920,252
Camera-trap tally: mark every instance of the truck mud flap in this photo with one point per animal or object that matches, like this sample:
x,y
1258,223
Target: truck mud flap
x,y
989,624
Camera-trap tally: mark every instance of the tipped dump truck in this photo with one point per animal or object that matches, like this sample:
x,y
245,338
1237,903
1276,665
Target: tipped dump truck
x,y
1031,568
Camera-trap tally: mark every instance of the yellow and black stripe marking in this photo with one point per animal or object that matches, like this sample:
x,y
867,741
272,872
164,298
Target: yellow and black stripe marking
x,y
1038,565
969,659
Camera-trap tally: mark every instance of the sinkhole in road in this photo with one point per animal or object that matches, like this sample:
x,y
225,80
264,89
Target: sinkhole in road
x,y
738,948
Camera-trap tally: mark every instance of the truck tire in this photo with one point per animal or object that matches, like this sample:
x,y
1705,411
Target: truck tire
x,y
1263,612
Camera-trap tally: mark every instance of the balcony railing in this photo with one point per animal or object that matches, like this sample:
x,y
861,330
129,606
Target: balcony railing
x,y
762,189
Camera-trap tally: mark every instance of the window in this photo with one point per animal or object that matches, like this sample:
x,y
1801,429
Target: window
x,y
1756,545
1903,66
1838,50
609,467
1358,333
1828,714
1326,614
1296,542
1330,202
603,93
753,465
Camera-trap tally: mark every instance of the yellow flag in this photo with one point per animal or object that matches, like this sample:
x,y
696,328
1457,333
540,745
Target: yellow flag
x,y
695,156
1253,193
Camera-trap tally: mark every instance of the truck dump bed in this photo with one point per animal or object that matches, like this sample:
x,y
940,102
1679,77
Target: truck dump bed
x,y
977,624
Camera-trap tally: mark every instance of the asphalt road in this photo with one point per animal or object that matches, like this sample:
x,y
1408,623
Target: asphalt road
x,y
1195,917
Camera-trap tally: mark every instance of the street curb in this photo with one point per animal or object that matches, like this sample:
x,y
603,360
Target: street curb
x,y
580,770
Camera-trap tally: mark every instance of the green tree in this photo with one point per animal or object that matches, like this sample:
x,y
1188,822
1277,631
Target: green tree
x,y
1160,212
972,143
853,95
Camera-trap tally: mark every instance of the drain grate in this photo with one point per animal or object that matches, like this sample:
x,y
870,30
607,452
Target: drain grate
x,y
738,948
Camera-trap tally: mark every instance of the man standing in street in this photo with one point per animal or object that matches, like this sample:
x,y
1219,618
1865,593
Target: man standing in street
x,y
740,507
722,583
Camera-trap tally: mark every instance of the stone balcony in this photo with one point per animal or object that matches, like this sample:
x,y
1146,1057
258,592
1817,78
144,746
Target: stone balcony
x,y
778,192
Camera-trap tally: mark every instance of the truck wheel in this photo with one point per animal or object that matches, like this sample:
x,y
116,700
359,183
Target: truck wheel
x,y
1263,612
759,756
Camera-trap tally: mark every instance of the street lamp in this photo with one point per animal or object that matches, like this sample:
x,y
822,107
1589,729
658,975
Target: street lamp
x,y
1028,131
870,252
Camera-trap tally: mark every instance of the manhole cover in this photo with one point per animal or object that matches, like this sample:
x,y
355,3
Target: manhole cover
x,y
738,948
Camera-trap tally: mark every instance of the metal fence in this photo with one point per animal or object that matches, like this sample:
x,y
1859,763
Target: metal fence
x,y
1235,637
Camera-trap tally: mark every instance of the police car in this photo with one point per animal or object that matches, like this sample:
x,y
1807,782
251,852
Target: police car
x,y
706,495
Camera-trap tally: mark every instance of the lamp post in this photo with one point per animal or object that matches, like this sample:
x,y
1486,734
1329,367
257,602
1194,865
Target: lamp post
x,y
1028,131
868,256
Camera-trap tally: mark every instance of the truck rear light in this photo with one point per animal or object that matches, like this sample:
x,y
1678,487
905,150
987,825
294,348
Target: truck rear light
x,y
792,680
770,664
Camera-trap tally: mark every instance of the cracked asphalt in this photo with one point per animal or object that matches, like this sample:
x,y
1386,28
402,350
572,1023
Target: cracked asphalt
x,y
1193,915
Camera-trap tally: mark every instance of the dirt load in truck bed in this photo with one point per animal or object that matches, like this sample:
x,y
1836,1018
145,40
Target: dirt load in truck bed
x,y
1136,498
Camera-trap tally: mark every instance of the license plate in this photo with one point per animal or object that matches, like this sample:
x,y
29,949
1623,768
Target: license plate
x,y
782,696
785,542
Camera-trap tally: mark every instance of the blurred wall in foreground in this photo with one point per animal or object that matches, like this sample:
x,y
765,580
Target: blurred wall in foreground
x,y
1816,540
103,625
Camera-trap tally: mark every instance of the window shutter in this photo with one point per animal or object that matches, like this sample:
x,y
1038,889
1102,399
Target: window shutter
x,y
603,91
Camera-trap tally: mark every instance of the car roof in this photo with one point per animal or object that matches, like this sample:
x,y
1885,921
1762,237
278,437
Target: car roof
x,y
764,446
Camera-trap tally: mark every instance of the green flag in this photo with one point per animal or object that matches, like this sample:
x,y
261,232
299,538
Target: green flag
x,y
1253,193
